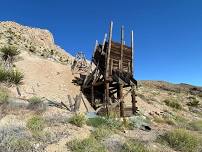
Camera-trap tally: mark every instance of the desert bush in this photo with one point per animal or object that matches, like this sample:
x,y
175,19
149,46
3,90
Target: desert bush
x,y
193,103
102,132
87,145
36,103
172,103
20,145
97,121
35,124
133,146
4,95
181,121
164,120
13,139
181,140
196,125
78,120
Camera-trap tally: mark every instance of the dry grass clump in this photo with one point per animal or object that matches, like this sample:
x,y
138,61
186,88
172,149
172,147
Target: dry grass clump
x,y
181,140
196,125
134,146
78,120
164,120
87,145
173,104
14,138
36,125
4,95
36,103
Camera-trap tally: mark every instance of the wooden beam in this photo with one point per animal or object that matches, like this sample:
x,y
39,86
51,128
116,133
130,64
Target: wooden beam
x,y
132,49
122,46
107,57
103,44
134,108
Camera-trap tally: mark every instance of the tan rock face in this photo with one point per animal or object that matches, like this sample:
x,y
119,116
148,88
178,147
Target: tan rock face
x,y
33,40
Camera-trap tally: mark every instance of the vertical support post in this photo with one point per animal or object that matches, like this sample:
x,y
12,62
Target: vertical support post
x,y
120,89
107,59
132,49
122,45
134,108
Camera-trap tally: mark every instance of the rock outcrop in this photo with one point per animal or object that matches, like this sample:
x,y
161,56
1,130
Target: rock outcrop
x,y
33,40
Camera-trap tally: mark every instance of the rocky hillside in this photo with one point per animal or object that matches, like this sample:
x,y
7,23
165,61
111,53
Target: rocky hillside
x,y
32,40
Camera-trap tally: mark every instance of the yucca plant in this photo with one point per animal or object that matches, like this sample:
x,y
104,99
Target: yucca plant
x,y
16,77
3,74
8,54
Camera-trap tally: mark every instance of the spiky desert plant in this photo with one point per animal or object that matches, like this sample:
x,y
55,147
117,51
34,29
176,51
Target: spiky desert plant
x,y
8,54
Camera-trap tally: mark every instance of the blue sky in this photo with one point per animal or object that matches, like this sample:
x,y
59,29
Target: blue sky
x,y
168,33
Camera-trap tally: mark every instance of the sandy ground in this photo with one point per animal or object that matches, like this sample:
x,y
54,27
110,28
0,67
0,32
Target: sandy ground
x,y
45,78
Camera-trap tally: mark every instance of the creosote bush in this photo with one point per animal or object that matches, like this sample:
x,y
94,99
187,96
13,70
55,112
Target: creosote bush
x,y
78,120
181,140
173,104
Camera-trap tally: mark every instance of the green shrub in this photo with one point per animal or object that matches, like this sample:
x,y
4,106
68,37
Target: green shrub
x,y
97,121
87,145
35,102
133,146
78,120
4,74
4,95
172,103
196,125
102,132
181,140
35,124
20,145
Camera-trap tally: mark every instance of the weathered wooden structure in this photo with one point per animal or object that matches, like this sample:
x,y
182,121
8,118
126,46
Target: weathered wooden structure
x,y
113,72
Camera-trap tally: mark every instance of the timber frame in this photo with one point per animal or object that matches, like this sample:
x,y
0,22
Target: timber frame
x,y
114,71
